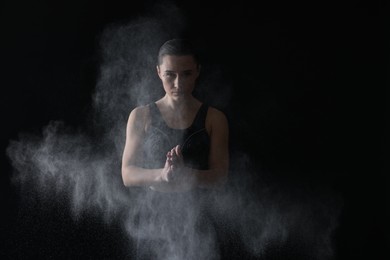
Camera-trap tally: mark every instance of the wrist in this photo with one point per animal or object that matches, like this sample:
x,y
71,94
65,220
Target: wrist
x,y
158,179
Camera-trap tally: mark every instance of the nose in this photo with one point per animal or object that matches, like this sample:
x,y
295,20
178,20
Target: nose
x,y
178,82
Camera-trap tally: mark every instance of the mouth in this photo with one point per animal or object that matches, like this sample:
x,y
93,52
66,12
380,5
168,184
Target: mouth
x,y
177,93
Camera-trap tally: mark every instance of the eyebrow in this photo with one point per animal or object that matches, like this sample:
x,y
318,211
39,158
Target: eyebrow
x,y
189,70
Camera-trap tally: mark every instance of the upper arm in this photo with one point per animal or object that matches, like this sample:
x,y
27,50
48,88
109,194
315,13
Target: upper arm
x,y
135,131
219,138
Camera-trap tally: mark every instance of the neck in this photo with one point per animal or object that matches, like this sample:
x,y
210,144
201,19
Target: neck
x,y
179,105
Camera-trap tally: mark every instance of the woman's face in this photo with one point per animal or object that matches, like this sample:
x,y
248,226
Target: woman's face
x,y
178,75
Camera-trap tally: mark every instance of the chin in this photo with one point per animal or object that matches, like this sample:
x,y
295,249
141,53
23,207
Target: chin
x,y
178,96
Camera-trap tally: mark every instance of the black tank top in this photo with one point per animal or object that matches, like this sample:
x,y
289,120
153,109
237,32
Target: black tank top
x,y
160,138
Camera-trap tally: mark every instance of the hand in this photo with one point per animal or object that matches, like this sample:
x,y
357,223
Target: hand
x,y
173,165
176,159
182,175
175,174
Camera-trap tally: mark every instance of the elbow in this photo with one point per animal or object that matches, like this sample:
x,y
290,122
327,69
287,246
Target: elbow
x,y
216,180
222,178
126,178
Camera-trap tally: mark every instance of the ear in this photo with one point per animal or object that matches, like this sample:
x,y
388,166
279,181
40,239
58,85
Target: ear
x,y
198,71
159,72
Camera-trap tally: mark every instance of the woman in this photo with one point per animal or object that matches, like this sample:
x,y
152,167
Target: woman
x,y
177,143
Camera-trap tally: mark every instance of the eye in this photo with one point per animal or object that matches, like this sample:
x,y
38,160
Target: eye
x,y
187,73
169,74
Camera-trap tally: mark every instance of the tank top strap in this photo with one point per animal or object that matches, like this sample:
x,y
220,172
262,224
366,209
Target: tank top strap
x,y
198,123
154,114
200,118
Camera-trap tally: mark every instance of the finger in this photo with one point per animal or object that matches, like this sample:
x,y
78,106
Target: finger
x,y
174,155
178,150
169,161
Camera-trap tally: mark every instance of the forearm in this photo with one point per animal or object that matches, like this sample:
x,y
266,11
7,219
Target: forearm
x,y
137,176
188,179
213,178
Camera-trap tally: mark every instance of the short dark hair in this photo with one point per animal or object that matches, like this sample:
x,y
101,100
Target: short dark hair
x,y
179,47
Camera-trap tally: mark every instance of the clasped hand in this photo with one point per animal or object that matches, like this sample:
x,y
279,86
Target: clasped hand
x,y
174,169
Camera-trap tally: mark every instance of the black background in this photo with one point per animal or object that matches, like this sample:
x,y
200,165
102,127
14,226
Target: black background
x,y
308,81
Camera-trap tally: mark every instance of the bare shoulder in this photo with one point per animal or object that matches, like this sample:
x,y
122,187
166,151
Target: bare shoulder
x,y
139,115
216,113
216,117
140,111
